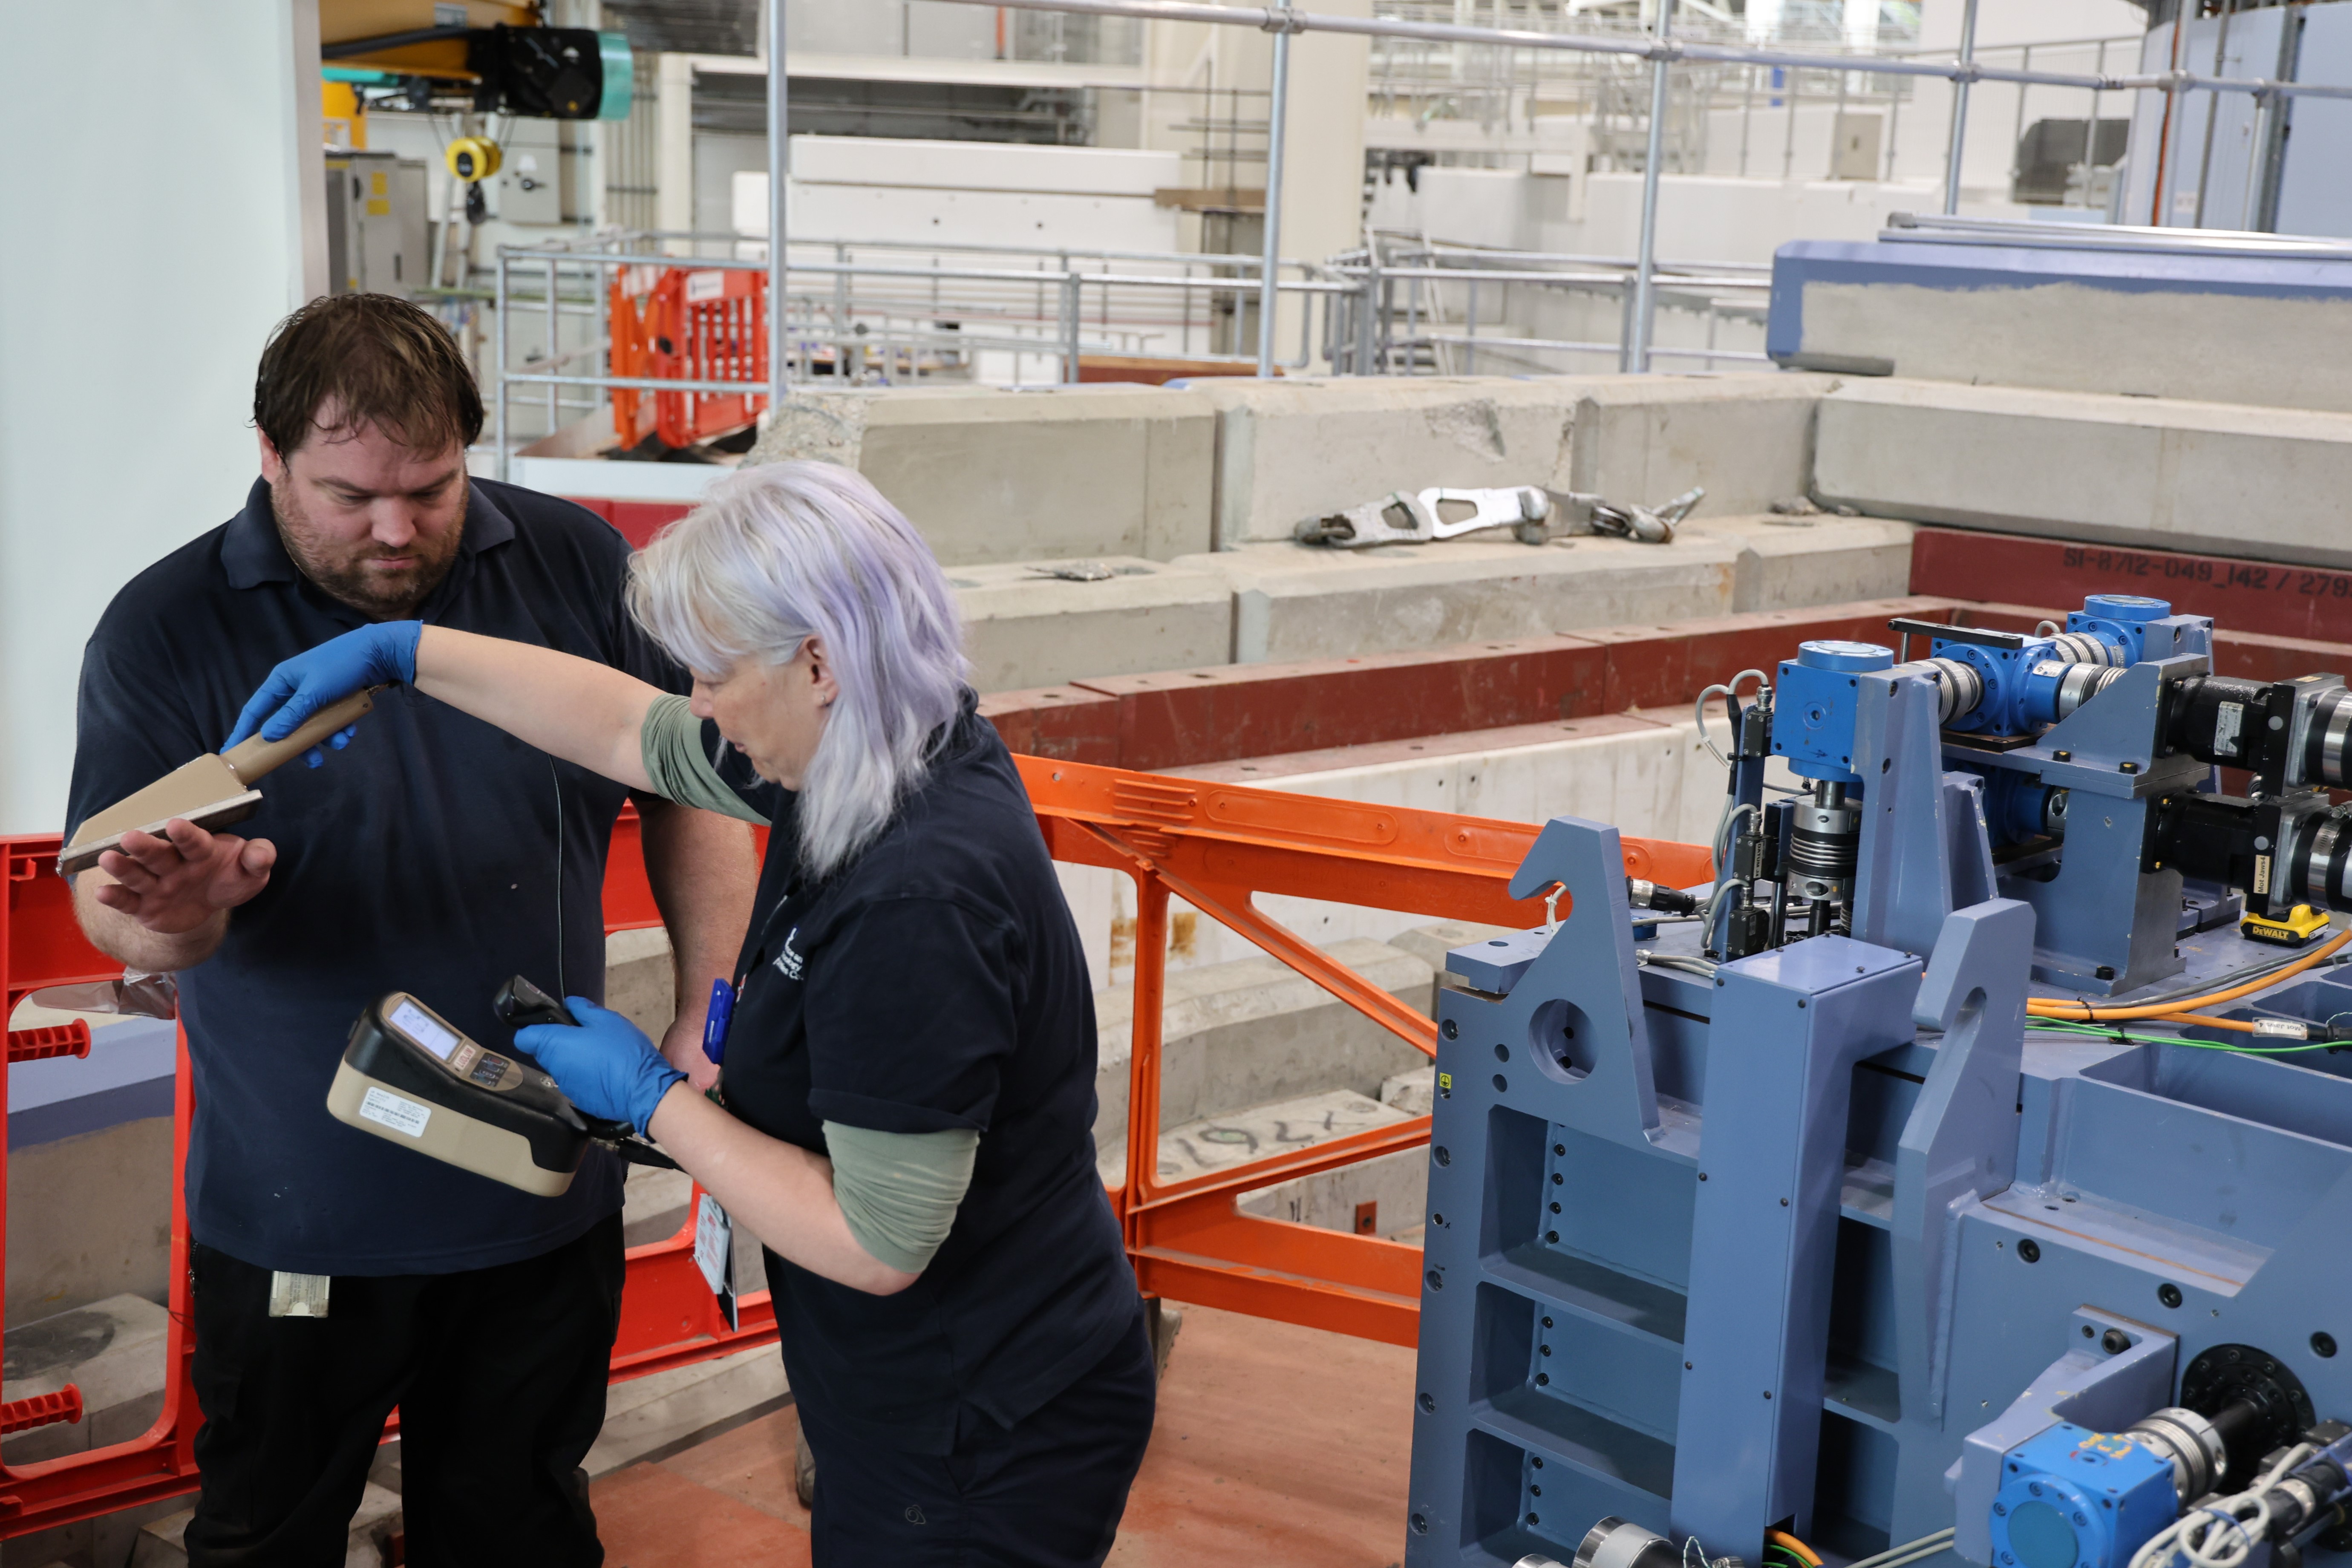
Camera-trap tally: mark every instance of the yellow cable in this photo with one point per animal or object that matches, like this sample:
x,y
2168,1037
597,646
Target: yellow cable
x,y
2048,1007
1783,1537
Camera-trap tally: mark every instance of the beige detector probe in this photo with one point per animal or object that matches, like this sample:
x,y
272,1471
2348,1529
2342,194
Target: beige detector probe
x,y
213,791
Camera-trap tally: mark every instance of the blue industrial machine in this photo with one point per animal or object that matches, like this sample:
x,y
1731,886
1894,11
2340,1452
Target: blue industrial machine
x,y
1830,1211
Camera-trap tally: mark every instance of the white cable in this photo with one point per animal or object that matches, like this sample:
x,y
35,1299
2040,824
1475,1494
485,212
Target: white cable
x,y
2240,1522
1724,688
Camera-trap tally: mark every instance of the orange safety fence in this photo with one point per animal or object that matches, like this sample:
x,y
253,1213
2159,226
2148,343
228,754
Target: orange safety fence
x,y
1214,845
686,323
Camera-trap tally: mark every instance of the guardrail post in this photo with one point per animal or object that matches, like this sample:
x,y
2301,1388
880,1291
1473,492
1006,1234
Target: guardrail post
x,y
1069,326
779,143
1367,307
1635,356
498,424
1960,110
1269,267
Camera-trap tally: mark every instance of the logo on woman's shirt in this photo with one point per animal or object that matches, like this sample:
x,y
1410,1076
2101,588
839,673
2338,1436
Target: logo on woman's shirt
x,y
788,963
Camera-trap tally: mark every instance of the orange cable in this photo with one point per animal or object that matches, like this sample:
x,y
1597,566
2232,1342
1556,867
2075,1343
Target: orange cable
x,y
1783,1539
2083,1012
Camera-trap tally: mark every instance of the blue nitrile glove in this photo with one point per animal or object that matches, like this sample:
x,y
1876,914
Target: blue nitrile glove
x,y
300,686
606,1066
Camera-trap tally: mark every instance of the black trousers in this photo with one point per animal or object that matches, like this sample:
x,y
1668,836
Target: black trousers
x,y
1046,1493
500,1375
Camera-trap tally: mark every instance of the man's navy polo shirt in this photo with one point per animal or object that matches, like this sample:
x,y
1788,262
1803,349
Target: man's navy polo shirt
x,y
436,855
936,982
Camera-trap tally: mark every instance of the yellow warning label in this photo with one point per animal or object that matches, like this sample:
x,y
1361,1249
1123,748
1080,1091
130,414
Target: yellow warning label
x,y
376,209
377,186
1445,1080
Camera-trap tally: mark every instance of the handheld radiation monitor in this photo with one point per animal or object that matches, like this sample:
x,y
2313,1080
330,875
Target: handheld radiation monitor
x,y
410,1077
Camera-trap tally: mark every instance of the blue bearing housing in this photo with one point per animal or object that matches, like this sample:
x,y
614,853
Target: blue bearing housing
x,y
2072,1497
1813,705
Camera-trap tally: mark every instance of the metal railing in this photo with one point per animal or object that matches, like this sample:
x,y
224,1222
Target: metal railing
x,y
880,311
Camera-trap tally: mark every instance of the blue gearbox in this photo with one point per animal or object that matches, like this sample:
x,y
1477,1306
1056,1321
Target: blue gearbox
x,y
2071,1497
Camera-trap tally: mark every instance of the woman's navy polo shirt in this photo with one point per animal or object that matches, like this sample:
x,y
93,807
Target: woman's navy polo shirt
x,y
936,982
438,854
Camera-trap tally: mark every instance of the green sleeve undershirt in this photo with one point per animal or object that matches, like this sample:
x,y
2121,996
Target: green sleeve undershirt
x,y
899,1190
671,742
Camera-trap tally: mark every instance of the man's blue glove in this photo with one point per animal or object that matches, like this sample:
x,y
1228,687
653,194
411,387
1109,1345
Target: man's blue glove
x,y
606,1066
372,656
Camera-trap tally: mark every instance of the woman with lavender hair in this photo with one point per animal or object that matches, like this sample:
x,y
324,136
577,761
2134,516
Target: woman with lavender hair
x,y
909,1080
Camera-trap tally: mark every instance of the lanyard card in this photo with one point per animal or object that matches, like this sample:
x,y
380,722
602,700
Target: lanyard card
x,y
714,1253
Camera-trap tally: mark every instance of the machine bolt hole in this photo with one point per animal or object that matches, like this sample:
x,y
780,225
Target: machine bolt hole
x,y
2323,1344
2029,1250
2168,1294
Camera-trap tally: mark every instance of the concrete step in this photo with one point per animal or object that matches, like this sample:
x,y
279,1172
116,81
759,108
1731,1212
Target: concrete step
x,y
2221,478
1373,1197
1024,626
113,1351
161,1545
1251,1031
1294,602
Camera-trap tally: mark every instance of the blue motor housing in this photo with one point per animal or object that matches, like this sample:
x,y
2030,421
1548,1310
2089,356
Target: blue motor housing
x,y
2121,619
2071,1497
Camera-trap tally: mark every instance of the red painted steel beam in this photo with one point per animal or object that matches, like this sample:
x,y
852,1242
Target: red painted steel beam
x,y
1188,717
2312,601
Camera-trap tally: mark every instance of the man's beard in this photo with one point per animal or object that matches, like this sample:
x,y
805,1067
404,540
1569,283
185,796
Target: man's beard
x,y
342,573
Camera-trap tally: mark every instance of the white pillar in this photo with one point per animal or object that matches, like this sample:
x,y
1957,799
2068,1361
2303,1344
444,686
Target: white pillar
x,y
126,311
674,147
1323,174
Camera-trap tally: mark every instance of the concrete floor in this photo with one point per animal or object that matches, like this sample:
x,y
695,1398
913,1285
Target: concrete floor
x,y
1278,1446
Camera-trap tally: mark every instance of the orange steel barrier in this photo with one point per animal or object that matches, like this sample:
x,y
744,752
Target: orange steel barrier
x,y
704,323
1214,845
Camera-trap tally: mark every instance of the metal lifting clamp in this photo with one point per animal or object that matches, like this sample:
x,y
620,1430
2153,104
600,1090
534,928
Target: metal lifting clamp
x,y
1405,518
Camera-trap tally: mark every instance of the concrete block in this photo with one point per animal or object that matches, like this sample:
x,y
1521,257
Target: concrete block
x,y
89,1217
641,979
1305,447
1300,601
989,475
654,1416
1431,944
1024,627
2221,477
654,1203
1395,1186
1795,562
1746,438
1414,1092
1253,1031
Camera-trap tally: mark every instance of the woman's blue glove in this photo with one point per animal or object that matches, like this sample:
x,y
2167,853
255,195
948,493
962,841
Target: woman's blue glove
x,y
371,655
606,1066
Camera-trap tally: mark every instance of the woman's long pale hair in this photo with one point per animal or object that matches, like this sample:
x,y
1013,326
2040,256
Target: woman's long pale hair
x,y
783,552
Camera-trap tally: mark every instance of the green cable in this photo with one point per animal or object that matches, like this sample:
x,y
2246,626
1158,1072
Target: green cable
x,y
2061,1026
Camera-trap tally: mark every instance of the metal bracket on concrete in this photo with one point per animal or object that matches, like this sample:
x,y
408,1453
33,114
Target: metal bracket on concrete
x,y
1404,518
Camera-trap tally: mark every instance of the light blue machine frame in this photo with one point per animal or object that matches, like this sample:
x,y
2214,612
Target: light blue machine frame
x,y
1812,1241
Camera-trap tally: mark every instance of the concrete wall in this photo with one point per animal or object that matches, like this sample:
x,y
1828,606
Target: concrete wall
x,y
126,378
2212,477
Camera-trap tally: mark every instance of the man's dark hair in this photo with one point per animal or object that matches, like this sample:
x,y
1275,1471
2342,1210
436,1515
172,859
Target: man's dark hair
x,y
376,360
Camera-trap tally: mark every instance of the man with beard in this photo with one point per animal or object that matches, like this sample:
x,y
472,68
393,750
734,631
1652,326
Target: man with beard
x,y
337,1275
